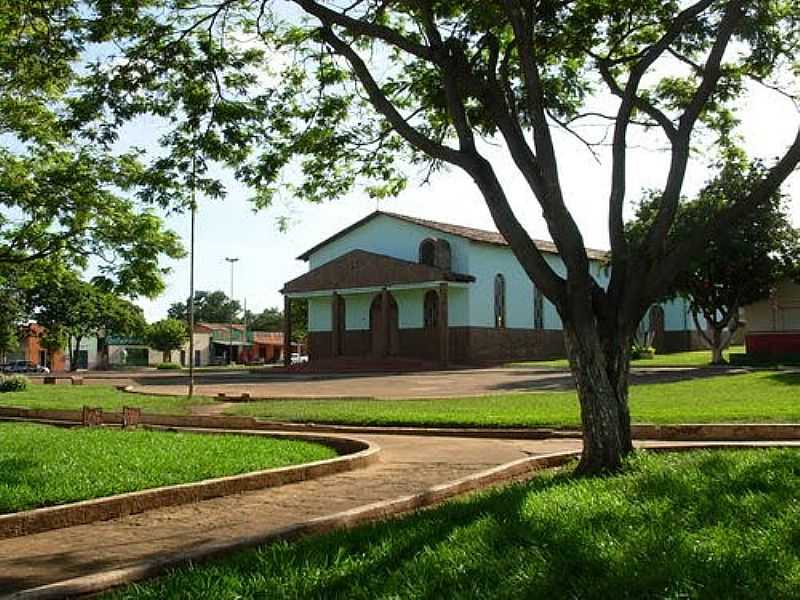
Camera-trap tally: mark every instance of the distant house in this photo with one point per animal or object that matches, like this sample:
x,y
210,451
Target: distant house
x,y
392,285
32,350
243,345
773,324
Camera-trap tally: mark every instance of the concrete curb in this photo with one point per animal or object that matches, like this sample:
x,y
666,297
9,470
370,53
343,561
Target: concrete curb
x,y
682,432
357,454
102,581
690,432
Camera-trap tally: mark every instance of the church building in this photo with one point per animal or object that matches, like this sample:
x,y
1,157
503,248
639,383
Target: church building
x,y
395,286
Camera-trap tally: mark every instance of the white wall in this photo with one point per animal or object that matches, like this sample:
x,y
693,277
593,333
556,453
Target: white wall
x,y
473,306
392,237
410,303
780,314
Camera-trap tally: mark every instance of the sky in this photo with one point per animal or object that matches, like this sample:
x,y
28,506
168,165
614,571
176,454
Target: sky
x,y
267,256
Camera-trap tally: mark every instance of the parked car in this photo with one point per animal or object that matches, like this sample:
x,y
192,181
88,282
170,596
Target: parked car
x,y
298,359
25,366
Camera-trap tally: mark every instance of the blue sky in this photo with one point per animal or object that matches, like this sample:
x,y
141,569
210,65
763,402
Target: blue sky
x,y
267,255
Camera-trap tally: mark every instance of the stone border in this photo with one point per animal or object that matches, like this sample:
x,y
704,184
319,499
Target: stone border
x,y
357,454
522,468
685,432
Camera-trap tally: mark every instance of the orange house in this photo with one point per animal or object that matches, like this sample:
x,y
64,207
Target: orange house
x,y
32,350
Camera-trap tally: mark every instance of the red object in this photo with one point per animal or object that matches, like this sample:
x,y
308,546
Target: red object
x,y
777,342
32,349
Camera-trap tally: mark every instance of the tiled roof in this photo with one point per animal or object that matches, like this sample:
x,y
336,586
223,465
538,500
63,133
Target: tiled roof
x,y
268,337
363,269
481,236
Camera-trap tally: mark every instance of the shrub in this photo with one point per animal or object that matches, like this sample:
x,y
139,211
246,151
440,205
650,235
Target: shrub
x,y
167,366
13,383
640,352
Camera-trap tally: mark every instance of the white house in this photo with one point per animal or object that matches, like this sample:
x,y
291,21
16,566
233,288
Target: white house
x,y
398,286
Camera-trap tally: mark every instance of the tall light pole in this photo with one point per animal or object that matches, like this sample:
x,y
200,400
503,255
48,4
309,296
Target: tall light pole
x,y
232,261
191,280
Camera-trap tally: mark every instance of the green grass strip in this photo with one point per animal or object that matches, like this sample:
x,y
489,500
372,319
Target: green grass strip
x,y
69,397
43,466
693,358
752,397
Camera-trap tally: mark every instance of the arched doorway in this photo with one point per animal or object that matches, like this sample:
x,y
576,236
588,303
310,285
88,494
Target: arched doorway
x,y
385,337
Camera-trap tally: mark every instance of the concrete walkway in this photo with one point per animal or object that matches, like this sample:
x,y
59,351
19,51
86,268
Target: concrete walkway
x,y
409,465
433,384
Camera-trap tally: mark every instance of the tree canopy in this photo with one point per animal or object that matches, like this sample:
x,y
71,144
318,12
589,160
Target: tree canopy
x,y
742,262
71,310
209,307
269,319
60,193
346,94
167,335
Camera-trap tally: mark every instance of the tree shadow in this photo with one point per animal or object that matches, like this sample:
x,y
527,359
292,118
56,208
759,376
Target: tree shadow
x,y
14,471
709,524
786,377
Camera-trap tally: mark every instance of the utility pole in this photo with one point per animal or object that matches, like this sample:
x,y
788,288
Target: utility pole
x,y
191,280
232,261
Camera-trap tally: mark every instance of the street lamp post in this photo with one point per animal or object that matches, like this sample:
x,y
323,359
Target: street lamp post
x,y
191,278
232,261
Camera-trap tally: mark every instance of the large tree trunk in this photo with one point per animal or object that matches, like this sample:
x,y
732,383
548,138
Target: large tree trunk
x,y
717,334
74,353
600,365
717,346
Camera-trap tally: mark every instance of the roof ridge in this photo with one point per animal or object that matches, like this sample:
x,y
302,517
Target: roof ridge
x,y
485,236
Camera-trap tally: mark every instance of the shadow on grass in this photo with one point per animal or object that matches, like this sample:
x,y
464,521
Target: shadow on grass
x,y
711,525
15,471
786,378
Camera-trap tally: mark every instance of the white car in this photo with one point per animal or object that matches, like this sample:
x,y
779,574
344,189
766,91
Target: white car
x,y
298,359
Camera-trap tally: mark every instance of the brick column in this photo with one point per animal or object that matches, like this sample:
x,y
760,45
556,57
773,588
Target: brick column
x,y
335,314
287,331
444,326
385,318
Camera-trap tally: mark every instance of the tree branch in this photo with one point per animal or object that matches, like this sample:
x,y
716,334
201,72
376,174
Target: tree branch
x,y
680,150
671,264
384,106
330,17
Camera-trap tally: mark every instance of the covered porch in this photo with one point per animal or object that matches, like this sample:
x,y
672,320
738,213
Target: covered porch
x,y
377,307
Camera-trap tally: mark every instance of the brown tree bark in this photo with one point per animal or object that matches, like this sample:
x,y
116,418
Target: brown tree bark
x,y
600,366
74,353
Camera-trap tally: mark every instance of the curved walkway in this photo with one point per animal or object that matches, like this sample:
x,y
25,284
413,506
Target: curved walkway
x,y
409,465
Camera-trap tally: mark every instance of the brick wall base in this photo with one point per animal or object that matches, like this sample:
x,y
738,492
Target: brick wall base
x,y
474,345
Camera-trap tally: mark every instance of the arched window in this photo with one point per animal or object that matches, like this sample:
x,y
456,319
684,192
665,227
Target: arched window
x,y
443,258
431,314
538,308
499,301
427,252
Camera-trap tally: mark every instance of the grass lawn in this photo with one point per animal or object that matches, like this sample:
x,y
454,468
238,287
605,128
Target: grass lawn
x,y
695,358
696,525
760,397
42,465
74,397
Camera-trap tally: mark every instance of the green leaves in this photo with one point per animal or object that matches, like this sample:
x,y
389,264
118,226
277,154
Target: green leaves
x,y
67,204
67,306
167,335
